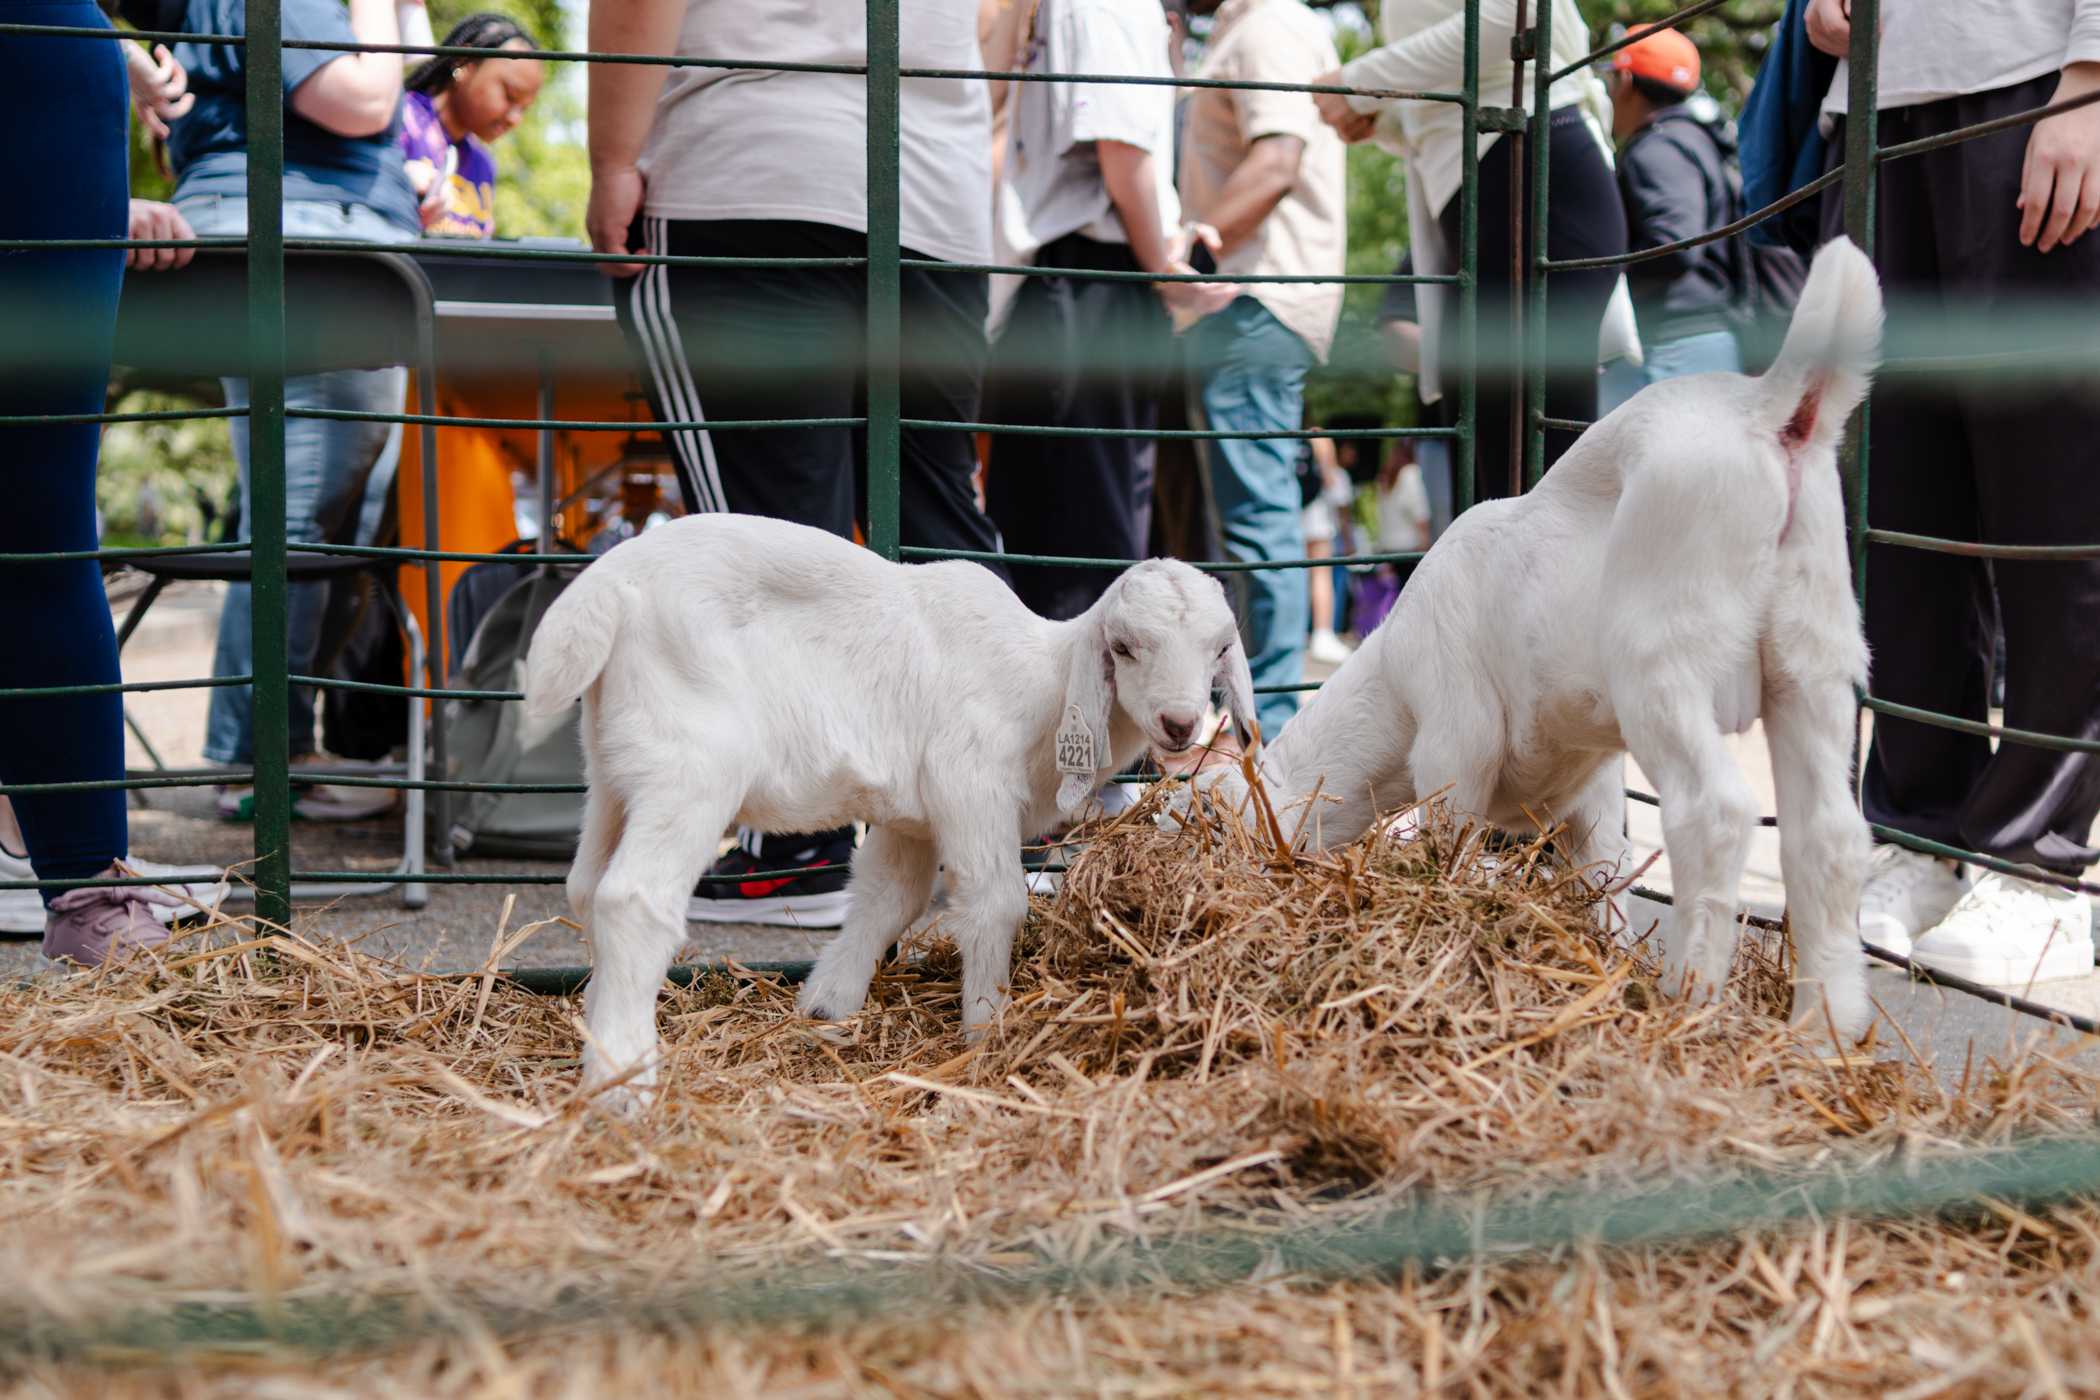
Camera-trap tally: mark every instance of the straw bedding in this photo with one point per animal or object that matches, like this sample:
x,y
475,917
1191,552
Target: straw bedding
x,y
393,1172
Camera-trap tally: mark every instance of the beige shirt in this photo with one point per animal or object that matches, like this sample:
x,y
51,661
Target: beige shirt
x,y
743,143
1272,41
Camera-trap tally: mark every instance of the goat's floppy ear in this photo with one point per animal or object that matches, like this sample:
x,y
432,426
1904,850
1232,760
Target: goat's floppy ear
x,y
1082,726
1237,682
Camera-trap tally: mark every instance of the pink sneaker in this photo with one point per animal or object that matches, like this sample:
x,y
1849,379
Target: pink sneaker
x,y
93,926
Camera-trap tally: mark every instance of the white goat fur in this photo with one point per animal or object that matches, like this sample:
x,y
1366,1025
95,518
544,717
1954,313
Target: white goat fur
x,y
1678,575
735,669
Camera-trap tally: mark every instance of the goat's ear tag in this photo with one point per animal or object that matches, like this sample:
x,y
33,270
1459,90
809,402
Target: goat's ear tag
x,y
1075,744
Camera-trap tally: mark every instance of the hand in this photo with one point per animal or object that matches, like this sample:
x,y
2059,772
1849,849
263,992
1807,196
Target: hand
x,y
2063,160
1829,26
616,201
1195,300
1358,127
153,220
1334,108
430,201
1189,235
159,87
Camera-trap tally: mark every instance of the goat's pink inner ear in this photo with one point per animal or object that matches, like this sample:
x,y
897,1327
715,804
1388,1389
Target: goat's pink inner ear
x,y
1802,426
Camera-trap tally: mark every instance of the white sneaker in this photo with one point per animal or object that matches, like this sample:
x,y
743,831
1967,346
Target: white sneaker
x,y
1327,649
1905,894
22,911
2008,932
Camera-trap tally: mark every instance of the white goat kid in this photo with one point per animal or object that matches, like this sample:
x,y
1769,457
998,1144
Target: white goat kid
x,y
734,669
1678,575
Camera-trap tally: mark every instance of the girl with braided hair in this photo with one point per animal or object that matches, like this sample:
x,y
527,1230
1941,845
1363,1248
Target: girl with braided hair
x,y
453,111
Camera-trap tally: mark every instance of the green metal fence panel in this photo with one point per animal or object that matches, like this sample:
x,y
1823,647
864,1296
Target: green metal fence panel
x,y
883,346
885,279
1862,180
266,475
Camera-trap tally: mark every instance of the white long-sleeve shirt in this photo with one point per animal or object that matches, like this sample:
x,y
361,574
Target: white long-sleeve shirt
x,y
1424,50
1935,49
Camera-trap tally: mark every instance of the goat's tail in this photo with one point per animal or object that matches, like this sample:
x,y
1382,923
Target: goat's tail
x,y
1831,352
569,648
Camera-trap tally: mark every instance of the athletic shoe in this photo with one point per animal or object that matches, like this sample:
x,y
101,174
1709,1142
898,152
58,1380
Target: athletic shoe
x,y
197,889
2008,932
332,802
1905,894
314,802
1043,863
92,926
812,897
1327,649
22,911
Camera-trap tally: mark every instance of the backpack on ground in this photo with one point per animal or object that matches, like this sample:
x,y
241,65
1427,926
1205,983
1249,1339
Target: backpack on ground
x,y
491,616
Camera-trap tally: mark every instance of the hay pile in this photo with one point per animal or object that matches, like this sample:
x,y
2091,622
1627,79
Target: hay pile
x,y
333,1151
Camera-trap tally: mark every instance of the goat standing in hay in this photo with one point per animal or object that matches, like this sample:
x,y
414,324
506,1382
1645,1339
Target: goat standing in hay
x,y
734,669
1678,575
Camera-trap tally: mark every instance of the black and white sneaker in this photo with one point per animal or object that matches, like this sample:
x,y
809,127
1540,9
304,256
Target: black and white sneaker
x,y
813,896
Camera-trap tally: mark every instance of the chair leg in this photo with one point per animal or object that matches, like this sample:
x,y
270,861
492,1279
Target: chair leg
x,y
131,622
138,610
414,893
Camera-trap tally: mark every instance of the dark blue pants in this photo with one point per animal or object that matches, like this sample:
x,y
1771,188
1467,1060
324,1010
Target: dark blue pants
x,y
64,102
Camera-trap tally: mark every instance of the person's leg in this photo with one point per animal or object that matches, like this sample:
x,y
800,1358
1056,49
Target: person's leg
x,y
1249,373
1927,615
1494,382
57,317
1433,456
2032,438
723,344
327,464
1079,496
942,381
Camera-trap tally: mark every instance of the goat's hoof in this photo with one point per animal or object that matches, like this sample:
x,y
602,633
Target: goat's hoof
x,y
830,1030
1680,983
627,1100
821,999
610,1088
1820,1011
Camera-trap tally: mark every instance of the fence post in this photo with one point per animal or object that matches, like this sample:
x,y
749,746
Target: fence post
x,y
1463,456
1534,437
1862,182
266,524
885,278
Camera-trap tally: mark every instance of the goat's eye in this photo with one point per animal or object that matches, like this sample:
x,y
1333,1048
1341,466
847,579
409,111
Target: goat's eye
x,y
1223,649
1122,649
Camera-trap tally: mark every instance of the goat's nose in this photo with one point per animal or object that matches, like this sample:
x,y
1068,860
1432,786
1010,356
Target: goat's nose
x,y
1176,730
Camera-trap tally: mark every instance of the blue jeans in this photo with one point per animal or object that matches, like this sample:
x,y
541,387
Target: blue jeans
x,y
1704,353
327,464
1247,373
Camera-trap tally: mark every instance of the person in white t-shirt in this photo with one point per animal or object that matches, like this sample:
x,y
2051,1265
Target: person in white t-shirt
x,y
750,162
1086,184
2001,227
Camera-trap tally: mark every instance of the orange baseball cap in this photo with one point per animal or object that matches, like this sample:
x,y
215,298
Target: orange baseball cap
x,y
1663,56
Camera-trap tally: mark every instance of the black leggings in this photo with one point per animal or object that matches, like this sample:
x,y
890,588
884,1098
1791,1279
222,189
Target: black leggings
x,y
1586,221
